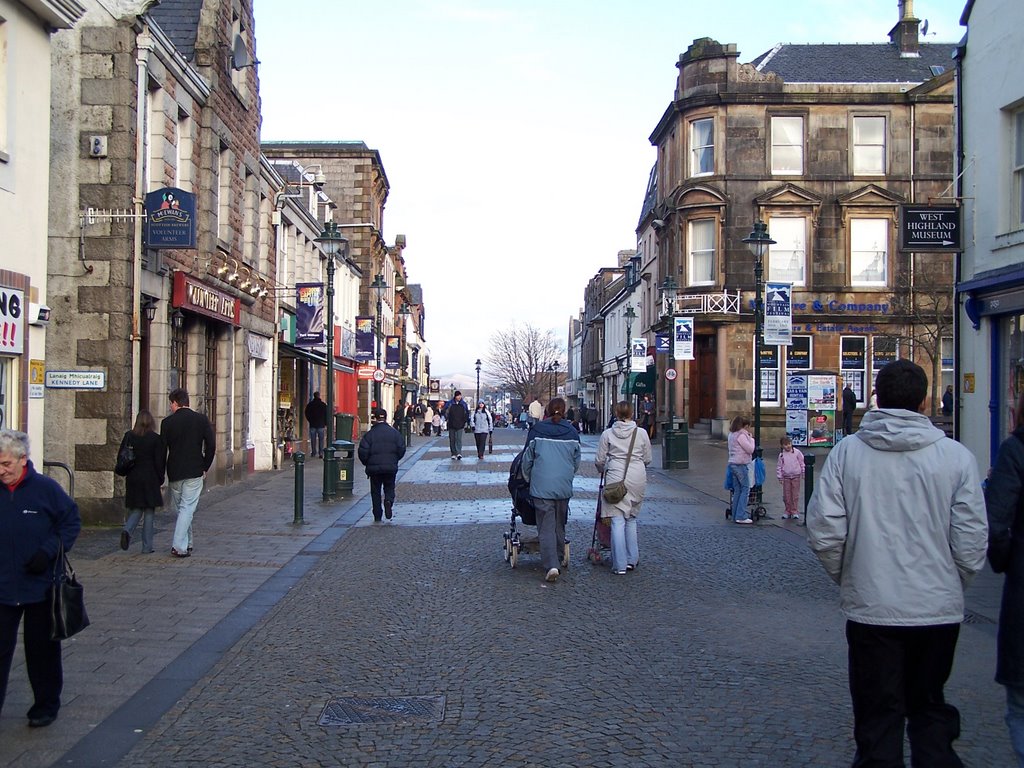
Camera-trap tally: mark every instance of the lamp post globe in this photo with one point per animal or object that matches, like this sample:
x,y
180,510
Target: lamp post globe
x,y
478,364
758,241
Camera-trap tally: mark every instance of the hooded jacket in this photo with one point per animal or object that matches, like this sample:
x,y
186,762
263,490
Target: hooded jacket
x,y
611,461
898,521
381,448
36,516
551,459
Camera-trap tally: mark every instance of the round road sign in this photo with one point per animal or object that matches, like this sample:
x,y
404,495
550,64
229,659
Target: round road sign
x,y
670,374
378,374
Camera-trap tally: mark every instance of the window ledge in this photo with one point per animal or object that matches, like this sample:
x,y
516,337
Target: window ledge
x,y
1008,239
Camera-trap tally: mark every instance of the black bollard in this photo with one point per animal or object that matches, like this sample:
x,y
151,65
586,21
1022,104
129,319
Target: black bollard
x,y
300,465
808,483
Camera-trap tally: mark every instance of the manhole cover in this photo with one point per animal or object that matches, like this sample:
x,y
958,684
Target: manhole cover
x,y
354,710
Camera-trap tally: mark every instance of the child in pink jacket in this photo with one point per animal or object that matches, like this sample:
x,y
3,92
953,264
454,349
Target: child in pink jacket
x,y
790,470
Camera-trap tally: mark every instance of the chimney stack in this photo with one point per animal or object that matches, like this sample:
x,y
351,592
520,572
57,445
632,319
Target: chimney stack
x,y
905,33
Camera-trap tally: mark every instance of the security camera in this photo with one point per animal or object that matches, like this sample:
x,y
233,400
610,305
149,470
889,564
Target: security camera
x,y
658,223
319,179
38,314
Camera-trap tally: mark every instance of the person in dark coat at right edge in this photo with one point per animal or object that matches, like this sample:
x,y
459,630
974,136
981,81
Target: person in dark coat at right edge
x,y
380,450
1003,499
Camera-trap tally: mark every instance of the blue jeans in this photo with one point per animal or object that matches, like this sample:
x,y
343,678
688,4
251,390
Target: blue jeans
x,y
1015,720
455,441
317,438
147,516
624,544
185,494
740,490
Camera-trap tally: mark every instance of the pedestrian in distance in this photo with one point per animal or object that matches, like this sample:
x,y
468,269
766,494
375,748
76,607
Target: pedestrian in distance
x,y
849,406
191,447
790,471
624,440
550,462
536,411
400,411
947,401
583,418
435,421
1004,500
36,517
741,455
483,424
457,414
316,420
647,414
524,419
380,450
898,522
417,415
143,482
428,420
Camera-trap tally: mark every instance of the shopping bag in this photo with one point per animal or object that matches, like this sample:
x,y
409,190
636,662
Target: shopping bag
x,y
67,601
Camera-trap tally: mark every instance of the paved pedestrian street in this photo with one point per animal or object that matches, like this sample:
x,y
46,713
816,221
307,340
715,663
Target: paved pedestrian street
x,y
414,643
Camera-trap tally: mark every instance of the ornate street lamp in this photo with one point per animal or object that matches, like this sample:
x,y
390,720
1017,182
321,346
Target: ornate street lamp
x,y
380,285
333,244
630,316
478,364
758,242
404,313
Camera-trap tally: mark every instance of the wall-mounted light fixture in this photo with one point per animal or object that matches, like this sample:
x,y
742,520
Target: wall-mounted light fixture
x,y
149,307
178,319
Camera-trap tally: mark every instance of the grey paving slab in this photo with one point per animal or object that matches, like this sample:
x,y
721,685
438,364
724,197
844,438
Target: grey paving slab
x,y
724,648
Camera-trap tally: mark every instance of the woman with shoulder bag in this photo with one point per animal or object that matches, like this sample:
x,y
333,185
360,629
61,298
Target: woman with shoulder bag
x,y
623,453
142,483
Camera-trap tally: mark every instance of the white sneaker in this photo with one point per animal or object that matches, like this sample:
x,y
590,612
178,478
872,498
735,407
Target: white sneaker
x,y
552,575
748,521
795,517
458,456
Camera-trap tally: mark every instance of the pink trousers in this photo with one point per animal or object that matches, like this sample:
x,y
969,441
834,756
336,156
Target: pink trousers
x,y
791,494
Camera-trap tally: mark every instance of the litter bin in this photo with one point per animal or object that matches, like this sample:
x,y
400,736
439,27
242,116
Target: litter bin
x,y
343,423
345,459
675,452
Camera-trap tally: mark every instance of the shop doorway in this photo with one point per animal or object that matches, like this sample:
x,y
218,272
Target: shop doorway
x,y
703,379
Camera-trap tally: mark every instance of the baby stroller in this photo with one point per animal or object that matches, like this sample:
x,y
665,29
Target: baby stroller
x,y
601,541
755,499
522,507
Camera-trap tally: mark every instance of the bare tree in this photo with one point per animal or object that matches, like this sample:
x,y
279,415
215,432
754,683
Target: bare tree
x,y
520,359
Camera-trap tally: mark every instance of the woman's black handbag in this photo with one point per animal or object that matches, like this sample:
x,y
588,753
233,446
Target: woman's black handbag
x,y
125,459
67,600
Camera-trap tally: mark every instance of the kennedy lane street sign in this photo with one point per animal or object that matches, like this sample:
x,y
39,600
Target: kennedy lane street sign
x,y
930,228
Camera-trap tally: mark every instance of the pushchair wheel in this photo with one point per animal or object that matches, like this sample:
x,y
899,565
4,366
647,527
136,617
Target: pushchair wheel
x,y
565,555
513,555
508,547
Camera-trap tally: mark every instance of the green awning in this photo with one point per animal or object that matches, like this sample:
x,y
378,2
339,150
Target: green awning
x,y
639,384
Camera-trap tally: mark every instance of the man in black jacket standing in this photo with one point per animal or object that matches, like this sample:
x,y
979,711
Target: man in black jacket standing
x,y
849,406
380,450
457,414
190,450
316,418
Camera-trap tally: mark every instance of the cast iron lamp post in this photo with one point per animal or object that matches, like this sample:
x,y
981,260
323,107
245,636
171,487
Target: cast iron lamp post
x,y
630,316
332,243
404,313
380,285
758,242
478,364
668,293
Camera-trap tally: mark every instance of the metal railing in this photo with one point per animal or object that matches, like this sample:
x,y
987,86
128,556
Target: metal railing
x,y
703,303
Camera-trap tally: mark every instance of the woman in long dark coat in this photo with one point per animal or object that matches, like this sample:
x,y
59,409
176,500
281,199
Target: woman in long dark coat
x,y
142,483
1004,497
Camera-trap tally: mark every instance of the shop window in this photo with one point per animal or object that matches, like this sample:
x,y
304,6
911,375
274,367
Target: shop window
x,y
853,363
946,361
869,146
884,349
210,375
702,147
1017,170
769,375
787,146
183,145
179,357
223,190
787,259
1012,371
869,252
700,251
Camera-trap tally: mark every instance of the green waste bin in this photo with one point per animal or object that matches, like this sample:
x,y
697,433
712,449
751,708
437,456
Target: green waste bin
x,y
343,424
675,453
345,461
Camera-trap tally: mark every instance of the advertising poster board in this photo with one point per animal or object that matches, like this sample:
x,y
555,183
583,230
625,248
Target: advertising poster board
x,y
364,338
821,427
309,314
683,336
778,313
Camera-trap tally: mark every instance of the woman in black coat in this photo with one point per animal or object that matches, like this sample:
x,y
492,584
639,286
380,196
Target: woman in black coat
x,y
142,483
1004,497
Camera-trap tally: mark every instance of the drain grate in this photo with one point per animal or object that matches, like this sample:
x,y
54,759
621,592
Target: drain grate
x,y
356,710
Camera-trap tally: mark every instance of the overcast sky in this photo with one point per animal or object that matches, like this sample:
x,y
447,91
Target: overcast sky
x,y
514,133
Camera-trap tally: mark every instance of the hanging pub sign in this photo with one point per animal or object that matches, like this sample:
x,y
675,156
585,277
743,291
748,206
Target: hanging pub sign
x,y
170,218
196,296
309,314
853,353
392,352
682,348
12,321
778,313
364,338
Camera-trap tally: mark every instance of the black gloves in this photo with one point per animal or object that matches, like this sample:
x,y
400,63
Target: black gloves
x,y
38,563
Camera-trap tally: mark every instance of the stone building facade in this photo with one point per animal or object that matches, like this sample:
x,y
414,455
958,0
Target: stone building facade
x,y
154,102
823,144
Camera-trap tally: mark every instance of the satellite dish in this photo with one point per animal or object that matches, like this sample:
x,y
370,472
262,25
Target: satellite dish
x,y
924,28
240,54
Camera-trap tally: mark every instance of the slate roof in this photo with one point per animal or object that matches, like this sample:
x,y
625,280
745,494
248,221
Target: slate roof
x,y
179,20
854,62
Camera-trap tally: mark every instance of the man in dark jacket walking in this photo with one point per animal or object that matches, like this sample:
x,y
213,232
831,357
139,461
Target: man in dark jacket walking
x,y
849,406
190,450
380,450
458,417
316,418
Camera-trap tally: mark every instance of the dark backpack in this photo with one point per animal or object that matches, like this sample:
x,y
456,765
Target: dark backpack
x,y
519,489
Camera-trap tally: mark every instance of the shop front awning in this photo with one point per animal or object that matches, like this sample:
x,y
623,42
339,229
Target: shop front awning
x,y
639,384
310,355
